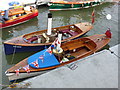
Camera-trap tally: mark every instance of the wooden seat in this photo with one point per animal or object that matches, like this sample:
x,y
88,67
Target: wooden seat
x,y
64,31
69,32
72,33
74,47
32,39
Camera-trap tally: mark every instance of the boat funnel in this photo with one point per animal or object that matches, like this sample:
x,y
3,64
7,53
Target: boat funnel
x,y
49,24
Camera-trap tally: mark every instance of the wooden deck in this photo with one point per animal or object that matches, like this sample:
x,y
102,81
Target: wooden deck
x,y
84,26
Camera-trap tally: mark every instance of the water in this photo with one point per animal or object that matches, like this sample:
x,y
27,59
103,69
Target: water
x,y
61,18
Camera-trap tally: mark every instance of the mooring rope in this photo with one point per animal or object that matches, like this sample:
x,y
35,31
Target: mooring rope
x,y
13,54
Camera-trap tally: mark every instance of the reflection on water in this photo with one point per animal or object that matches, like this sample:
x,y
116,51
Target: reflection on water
x,y
61,18
19,29
17,57
76,16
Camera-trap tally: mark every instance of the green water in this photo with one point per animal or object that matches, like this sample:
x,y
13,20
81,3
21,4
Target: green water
x,y
61,18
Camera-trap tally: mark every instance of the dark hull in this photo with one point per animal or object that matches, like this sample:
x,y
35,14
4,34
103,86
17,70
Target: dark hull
x,y
10,49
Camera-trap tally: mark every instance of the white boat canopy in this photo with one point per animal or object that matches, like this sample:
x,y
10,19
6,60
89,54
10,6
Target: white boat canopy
x,y
4,4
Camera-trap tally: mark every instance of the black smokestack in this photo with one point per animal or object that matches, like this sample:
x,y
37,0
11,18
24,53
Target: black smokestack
x,y
49,15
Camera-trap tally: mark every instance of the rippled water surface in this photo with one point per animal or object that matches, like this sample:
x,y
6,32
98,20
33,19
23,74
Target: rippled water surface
x,y
61,18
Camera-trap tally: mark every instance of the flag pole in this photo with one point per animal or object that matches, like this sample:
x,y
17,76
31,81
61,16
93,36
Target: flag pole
x,y
93,16
59,42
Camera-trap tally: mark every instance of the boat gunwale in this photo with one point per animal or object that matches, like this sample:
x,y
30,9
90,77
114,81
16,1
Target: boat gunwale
x,y
37,44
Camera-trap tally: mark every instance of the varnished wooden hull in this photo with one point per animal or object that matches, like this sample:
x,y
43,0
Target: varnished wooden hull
x,y
11,47
19,20
94,43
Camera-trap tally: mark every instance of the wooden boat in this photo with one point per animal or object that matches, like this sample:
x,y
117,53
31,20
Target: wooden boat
x,y
66,5
18,16
50,58
38,40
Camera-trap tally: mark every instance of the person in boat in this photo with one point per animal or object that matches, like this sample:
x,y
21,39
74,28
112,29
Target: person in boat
x,y
1,18
5,16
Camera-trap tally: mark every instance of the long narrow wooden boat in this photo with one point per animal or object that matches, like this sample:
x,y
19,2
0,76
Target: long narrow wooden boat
x,y
45,60
38,40
18,16
66,5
